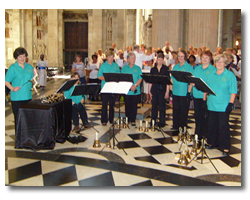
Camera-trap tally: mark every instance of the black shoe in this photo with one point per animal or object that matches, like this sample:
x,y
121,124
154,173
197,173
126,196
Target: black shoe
x,y
208,146
225,153
133,123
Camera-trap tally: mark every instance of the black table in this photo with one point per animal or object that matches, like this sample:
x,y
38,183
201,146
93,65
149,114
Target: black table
x,y
41,125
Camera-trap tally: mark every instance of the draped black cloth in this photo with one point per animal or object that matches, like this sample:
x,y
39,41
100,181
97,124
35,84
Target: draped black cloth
x,y
40,126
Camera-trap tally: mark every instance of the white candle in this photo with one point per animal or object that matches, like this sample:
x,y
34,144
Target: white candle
x,y
126,120
153,122
96,135
140,123
146,124
196,137
121,121
118,122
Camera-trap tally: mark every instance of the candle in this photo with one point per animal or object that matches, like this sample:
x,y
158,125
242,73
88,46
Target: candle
x,y
146,124
96,136
121,121
153,122
118,122
126,120
140,123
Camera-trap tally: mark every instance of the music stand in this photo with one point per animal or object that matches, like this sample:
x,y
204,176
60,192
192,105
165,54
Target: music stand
x,y
67,85
86,89
120,84
157,79
180,75
203,151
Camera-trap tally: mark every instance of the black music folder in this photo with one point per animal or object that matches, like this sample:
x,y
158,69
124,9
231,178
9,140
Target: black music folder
x,y
91,88
200,84
188,77
117,77
67,85
180,75
156,79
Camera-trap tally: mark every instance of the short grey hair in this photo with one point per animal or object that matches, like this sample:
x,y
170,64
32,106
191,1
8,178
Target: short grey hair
x,y
219,56
130,54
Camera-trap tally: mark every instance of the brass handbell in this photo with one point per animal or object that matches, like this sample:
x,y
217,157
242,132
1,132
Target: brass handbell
x,y
140,127
108,145
180,138
195,146
183,160
96,141
97,144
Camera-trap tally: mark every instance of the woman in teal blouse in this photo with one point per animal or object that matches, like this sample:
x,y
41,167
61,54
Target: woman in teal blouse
x,y
180,92
17,79
108,67
202,71
224,84
133,96
77,106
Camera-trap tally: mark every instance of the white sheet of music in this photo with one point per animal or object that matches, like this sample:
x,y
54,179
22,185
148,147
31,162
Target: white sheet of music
x,y
116,88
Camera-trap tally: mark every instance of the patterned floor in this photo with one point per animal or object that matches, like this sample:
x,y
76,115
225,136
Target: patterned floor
x,y
137,159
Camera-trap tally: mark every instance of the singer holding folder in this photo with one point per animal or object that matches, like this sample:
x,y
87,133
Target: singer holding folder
x,y
133,96
108,67
180,92
202,71
159,92
224,84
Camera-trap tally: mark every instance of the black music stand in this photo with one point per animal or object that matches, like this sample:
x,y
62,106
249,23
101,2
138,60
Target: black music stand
x,y
67,85
91,89
157,79
117,77
180,75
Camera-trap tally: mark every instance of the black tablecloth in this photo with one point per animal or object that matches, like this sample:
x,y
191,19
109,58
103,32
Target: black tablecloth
x,y
40,126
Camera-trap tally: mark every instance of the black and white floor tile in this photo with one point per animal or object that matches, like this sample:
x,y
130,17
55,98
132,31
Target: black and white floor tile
x,y
137,159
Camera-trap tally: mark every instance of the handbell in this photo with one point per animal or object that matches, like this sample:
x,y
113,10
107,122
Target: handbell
x,y
180,138
108,145
97,144
183,159
194,151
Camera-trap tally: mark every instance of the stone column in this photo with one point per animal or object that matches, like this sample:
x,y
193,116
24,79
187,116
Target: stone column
x,y
53,35
28,34
130,27
95,31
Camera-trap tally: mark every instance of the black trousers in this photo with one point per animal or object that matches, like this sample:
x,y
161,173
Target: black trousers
x,y
15,107
131,102
180,111
79,109
200,118
218,130
158,103
108,99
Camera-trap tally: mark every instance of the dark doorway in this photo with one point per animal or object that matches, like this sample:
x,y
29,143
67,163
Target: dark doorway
x,y
76,42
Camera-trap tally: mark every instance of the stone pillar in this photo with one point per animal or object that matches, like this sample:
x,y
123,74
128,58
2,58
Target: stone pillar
x,y
130,27
28,34
53,35
166,27
95,31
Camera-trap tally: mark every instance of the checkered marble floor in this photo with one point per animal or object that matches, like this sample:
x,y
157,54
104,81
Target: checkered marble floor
x,y
136,158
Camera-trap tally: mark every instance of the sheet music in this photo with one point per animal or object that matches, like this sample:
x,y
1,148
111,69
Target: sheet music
x,y
237,73
116,88
119,62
